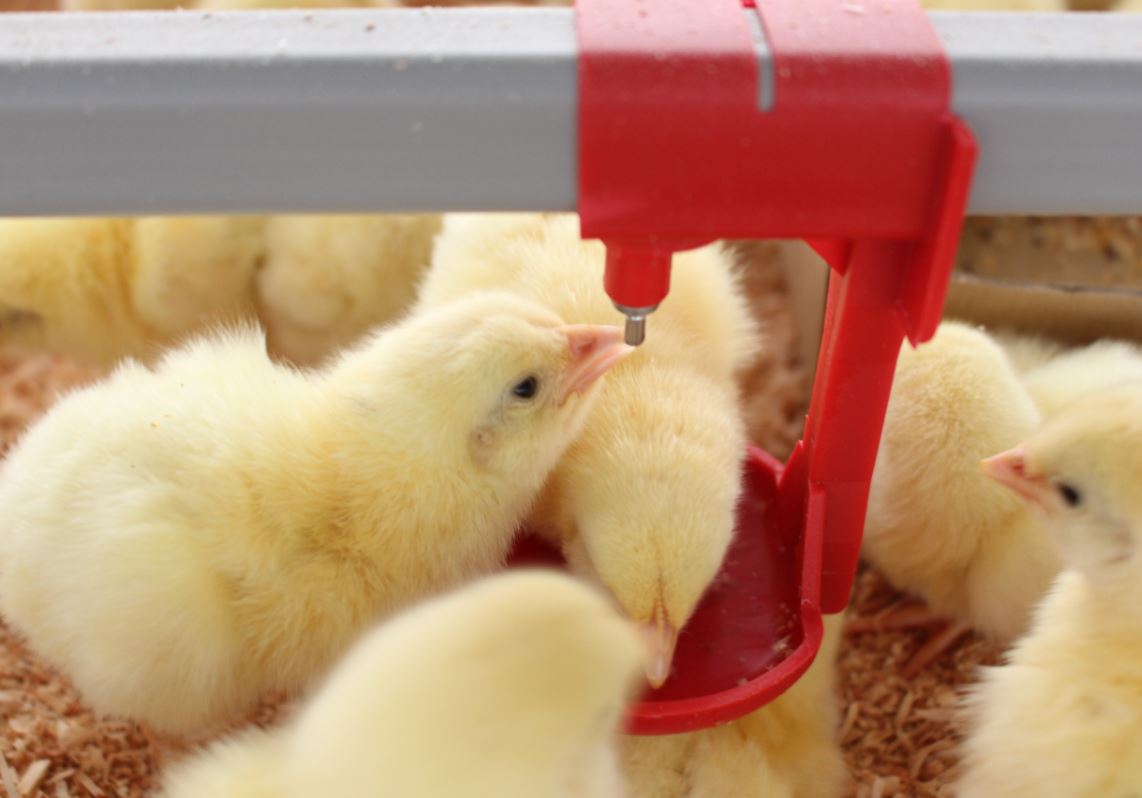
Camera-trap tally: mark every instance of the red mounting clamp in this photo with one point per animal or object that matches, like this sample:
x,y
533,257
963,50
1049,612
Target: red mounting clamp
x,y
827,120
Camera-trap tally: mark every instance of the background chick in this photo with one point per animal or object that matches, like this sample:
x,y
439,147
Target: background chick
x,y
103,289
1064,717
328,279
935,526
1073,373
180,541
645,498
100,290
786,748
509,687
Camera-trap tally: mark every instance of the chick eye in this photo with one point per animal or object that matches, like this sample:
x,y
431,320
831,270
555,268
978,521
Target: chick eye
x,y
526,388
1069,494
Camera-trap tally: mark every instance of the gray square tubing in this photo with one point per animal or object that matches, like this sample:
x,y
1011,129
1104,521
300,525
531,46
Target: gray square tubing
x,y
471,109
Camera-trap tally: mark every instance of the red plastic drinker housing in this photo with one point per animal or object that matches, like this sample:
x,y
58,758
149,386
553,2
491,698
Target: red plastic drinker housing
x,y
843,138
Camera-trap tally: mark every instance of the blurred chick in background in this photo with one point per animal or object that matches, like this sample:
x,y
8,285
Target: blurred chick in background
x,y
1069,374
645,499
100,290
1063,719
510,687
103,289
787,749
935,526
183,540
328,279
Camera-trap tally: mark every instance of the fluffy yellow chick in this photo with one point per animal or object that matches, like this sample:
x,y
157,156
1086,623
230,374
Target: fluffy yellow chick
x,y
328,279
1063,719
645,498
935,526
103,289
180,541
1073,373
787,748
1027,352
512,686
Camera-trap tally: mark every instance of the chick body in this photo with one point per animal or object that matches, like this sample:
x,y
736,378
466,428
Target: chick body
x,y
510,687
1063,719
180,541
645,498
936,527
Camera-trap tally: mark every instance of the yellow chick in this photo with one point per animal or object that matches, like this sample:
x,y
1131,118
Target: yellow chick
x,y
1063,719
645,498
180,541
1073,373
512,686
1027,352
328,279
787,748
935,526
103,289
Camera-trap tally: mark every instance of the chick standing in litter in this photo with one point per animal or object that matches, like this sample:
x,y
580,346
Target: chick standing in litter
x,y
510,687
1063,719
935,526
645,499
180,541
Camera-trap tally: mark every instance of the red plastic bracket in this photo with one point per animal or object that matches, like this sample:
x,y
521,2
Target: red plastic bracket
x,y
858,153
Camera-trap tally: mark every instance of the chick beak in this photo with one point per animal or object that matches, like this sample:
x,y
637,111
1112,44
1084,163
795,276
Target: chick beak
x,y
595,348
1009,469
662,637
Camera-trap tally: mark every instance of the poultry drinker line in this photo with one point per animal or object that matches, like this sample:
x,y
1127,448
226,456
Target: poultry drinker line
x,y
811,121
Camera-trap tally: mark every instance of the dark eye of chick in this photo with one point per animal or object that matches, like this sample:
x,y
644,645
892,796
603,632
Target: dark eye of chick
x,y
526,388
1070,494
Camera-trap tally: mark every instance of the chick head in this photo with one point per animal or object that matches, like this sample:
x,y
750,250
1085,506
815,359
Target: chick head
x,y
654,484
515,379
1080,474
502,688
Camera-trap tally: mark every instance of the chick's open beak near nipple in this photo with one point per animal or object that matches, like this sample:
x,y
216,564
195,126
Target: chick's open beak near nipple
x,y
1010,469
662,637
595,348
